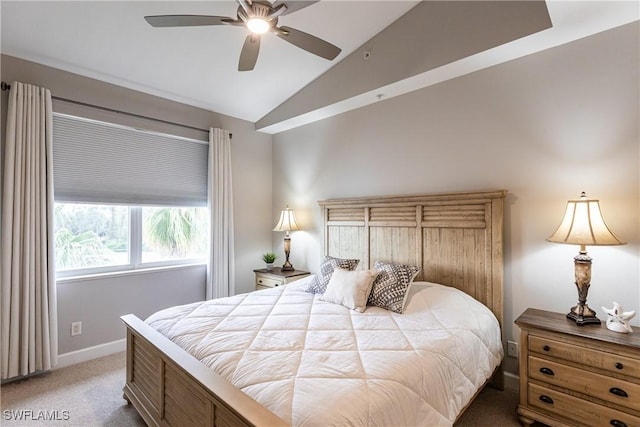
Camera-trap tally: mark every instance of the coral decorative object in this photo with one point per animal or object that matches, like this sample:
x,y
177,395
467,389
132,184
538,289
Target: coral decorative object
x,y
618,319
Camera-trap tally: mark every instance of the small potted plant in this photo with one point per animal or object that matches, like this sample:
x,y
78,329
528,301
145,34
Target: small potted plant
x,y
269,258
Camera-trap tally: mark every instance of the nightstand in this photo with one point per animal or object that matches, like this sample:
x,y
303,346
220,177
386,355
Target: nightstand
x,y
276,277
574,375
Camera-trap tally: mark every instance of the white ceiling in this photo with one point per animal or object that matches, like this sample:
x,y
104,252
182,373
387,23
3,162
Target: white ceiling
x,y
110,41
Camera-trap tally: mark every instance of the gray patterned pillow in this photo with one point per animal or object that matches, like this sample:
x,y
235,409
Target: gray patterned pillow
x,y
390,289
318,284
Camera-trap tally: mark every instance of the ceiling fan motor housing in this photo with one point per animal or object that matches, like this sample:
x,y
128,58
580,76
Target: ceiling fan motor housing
x,y
258,10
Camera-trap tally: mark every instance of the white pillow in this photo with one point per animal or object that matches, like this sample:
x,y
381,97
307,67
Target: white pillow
x,y
320,281
350,288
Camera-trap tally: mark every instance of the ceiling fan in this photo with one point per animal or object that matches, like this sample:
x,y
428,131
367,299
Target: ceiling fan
x,y
259,17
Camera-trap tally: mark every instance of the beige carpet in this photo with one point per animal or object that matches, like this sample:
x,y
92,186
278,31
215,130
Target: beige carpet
x,y
90,394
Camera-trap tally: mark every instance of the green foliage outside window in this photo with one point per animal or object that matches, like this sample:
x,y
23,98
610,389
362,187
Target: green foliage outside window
x,y
88,236
175,232
80,250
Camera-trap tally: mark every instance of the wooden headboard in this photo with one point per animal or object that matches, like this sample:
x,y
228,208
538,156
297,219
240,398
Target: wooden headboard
x,y
456,238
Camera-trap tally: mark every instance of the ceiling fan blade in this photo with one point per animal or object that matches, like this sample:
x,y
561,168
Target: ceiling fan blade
x,y
186,20
234,22
308,42
292,6
249,53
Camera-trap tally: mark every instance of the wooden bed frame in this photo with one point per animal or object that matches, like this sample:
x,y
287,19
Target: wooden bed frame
x,y
456,239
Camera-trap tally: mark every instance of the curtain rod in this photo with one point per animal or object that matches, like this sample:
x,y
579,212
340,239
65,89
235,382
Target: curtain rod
x,y
6,86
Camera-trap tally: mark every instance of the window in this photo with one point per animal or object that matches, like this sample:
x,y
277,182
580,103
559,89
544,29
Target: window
x,y
170,233
93,238
90,236
126,198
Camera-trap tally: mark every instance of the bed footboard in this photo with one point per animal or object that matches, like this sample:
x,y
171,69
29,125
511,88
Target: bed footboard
x,y
169,387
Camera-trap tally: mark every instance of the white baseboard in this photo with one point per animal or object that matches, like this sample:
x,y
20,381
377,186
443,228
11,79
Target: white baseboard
x,y
90,353
511,381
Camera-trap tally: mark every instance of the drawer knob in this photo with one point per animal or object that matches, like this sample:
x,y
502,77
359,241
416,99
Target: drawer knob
x,y
277,284
619,365
546,399
618,392
546,348
547,371
617,423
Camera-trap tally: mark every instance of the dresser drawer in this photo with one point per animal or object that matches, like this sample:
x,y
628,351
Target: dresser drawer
x,y
577,411
599,386
585,356
265,282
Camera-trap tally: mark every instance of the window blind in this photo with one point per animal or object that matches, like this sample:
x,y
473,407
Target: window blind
x,y
98,162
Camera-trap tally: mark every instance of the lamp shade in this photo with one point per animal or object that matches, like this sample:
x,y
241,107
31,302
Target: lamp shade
x,y
287,221
583,225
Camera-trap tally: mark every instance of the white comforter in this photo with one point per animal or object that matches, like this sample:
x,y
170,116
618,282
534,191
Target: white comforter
x,y
319,364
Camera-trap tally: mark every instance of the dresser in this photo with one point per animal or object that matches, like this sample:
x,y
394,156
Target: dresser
x,y
276,277
574,375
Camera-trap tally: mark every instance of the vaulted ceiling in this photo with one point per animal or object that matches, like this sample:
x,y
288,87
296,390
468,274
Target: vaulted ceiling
x,y
388,48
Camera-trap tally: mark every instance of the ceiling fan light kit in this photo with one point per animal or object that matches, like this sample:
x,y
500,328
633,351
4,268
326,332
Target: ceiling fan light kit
x,y
259,17
258,25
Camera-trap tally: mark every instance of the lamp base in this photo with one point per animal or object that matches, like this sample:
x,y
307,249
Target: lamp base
x,y
583,315
287,266
287,249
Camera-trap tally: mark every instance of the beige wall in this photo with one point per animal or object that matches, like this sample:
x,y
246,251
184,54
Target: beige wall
x,y
544,127
98,303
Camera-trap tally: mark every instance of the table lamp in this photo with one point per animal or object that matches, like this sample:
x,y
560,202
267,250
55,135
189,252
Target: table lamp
x,y
287,223
583,225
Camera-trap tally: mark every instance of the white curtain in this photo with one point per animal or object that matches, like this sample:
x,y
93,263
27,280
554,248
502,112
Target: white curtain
x,y
28,294
220,270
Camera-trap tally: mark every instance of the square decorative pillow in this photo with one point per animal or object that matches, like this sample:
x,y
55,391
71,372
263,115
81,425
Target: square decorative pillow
x,y
319,283
390,289
350,288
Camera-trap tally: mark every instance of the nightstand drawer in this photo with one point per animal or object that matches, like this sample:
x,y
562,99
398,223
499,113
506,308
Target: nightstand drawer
x,y
572,375
576,410
585,356
268,283
599,386
275,278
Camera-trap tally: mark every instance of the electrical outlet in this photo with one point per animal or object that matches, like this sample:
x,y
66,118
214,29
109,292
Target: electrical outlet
x,y
512,349
76,328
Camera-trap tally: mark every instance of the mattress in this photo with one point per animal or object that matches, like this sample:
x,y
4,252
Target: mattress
x,y
314,363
